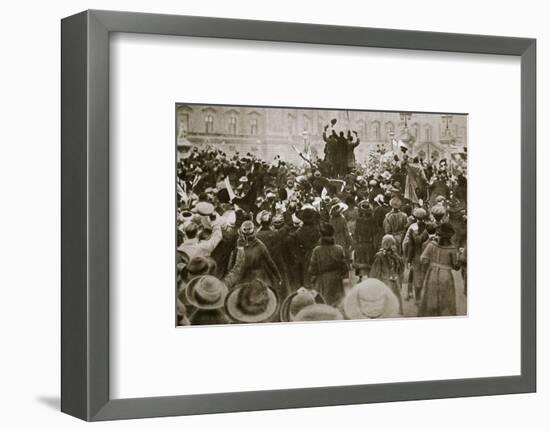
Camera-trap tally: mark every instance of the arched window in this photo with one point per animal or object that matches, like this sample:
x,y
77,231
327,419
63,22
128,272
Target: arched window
x,y
427,133
390,130
306,123
362,129
375,127
415,130
232,125
253,126
209,124
291,122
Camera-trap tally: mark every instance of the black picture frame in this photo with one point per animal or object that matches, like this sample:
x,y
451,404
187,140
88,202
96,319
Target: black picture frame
x,y
85,214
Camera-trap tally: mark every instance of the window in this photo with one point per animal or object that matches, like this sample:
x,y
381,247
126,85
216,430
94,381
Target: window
x,y
232,126
376,131
307,123
389,131
427,133
291,124
209,124
254,126
183,123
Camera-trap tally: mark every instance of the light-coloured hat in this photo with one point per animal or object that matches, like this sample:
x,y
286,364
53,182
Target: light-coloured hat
x,y
206,292
204,208
252,302
370,299
243,179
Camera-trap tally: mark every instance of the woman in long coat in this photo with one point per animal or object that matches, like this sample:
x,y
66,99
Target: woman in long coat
x,y
438,295
328,267
342,236
258,263
305,240
364,241
388,267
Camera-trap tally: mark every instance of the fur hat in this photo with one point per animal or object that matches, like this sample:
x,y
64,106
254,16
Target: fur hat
x,y
316,312
252,302
370,299
206,292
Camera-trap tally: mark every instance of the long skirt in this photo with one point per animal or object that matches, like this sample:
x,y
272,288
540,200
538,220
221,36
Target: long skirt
x,y
330,286
438,295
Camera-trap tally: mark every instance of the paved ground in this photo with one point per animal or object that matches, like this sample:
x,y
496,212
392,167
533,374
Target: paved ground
x,y
409,307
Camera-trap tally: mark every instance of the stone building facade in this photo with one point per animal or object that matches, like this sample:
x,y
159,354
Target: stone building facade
x,y
269,132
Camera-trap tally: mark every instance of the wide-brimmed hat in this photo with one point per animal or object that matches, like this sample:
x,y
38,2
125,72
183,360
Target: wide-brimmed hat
x,y
252,302
318,312
204,208
370,299
206,292
243,179
294,302
395,203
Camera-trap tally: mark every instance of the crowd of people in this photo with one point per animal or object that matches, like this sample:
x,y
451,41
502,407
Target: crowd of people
x,y
325,239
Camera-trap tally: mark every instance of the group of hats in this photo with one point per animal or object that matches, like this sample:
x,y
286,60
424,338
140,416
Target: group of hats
x,y
255,302
252,302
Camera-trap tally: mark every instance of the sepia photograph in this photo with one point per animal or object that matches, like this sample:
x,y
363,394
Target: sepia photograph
x,y
288,214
